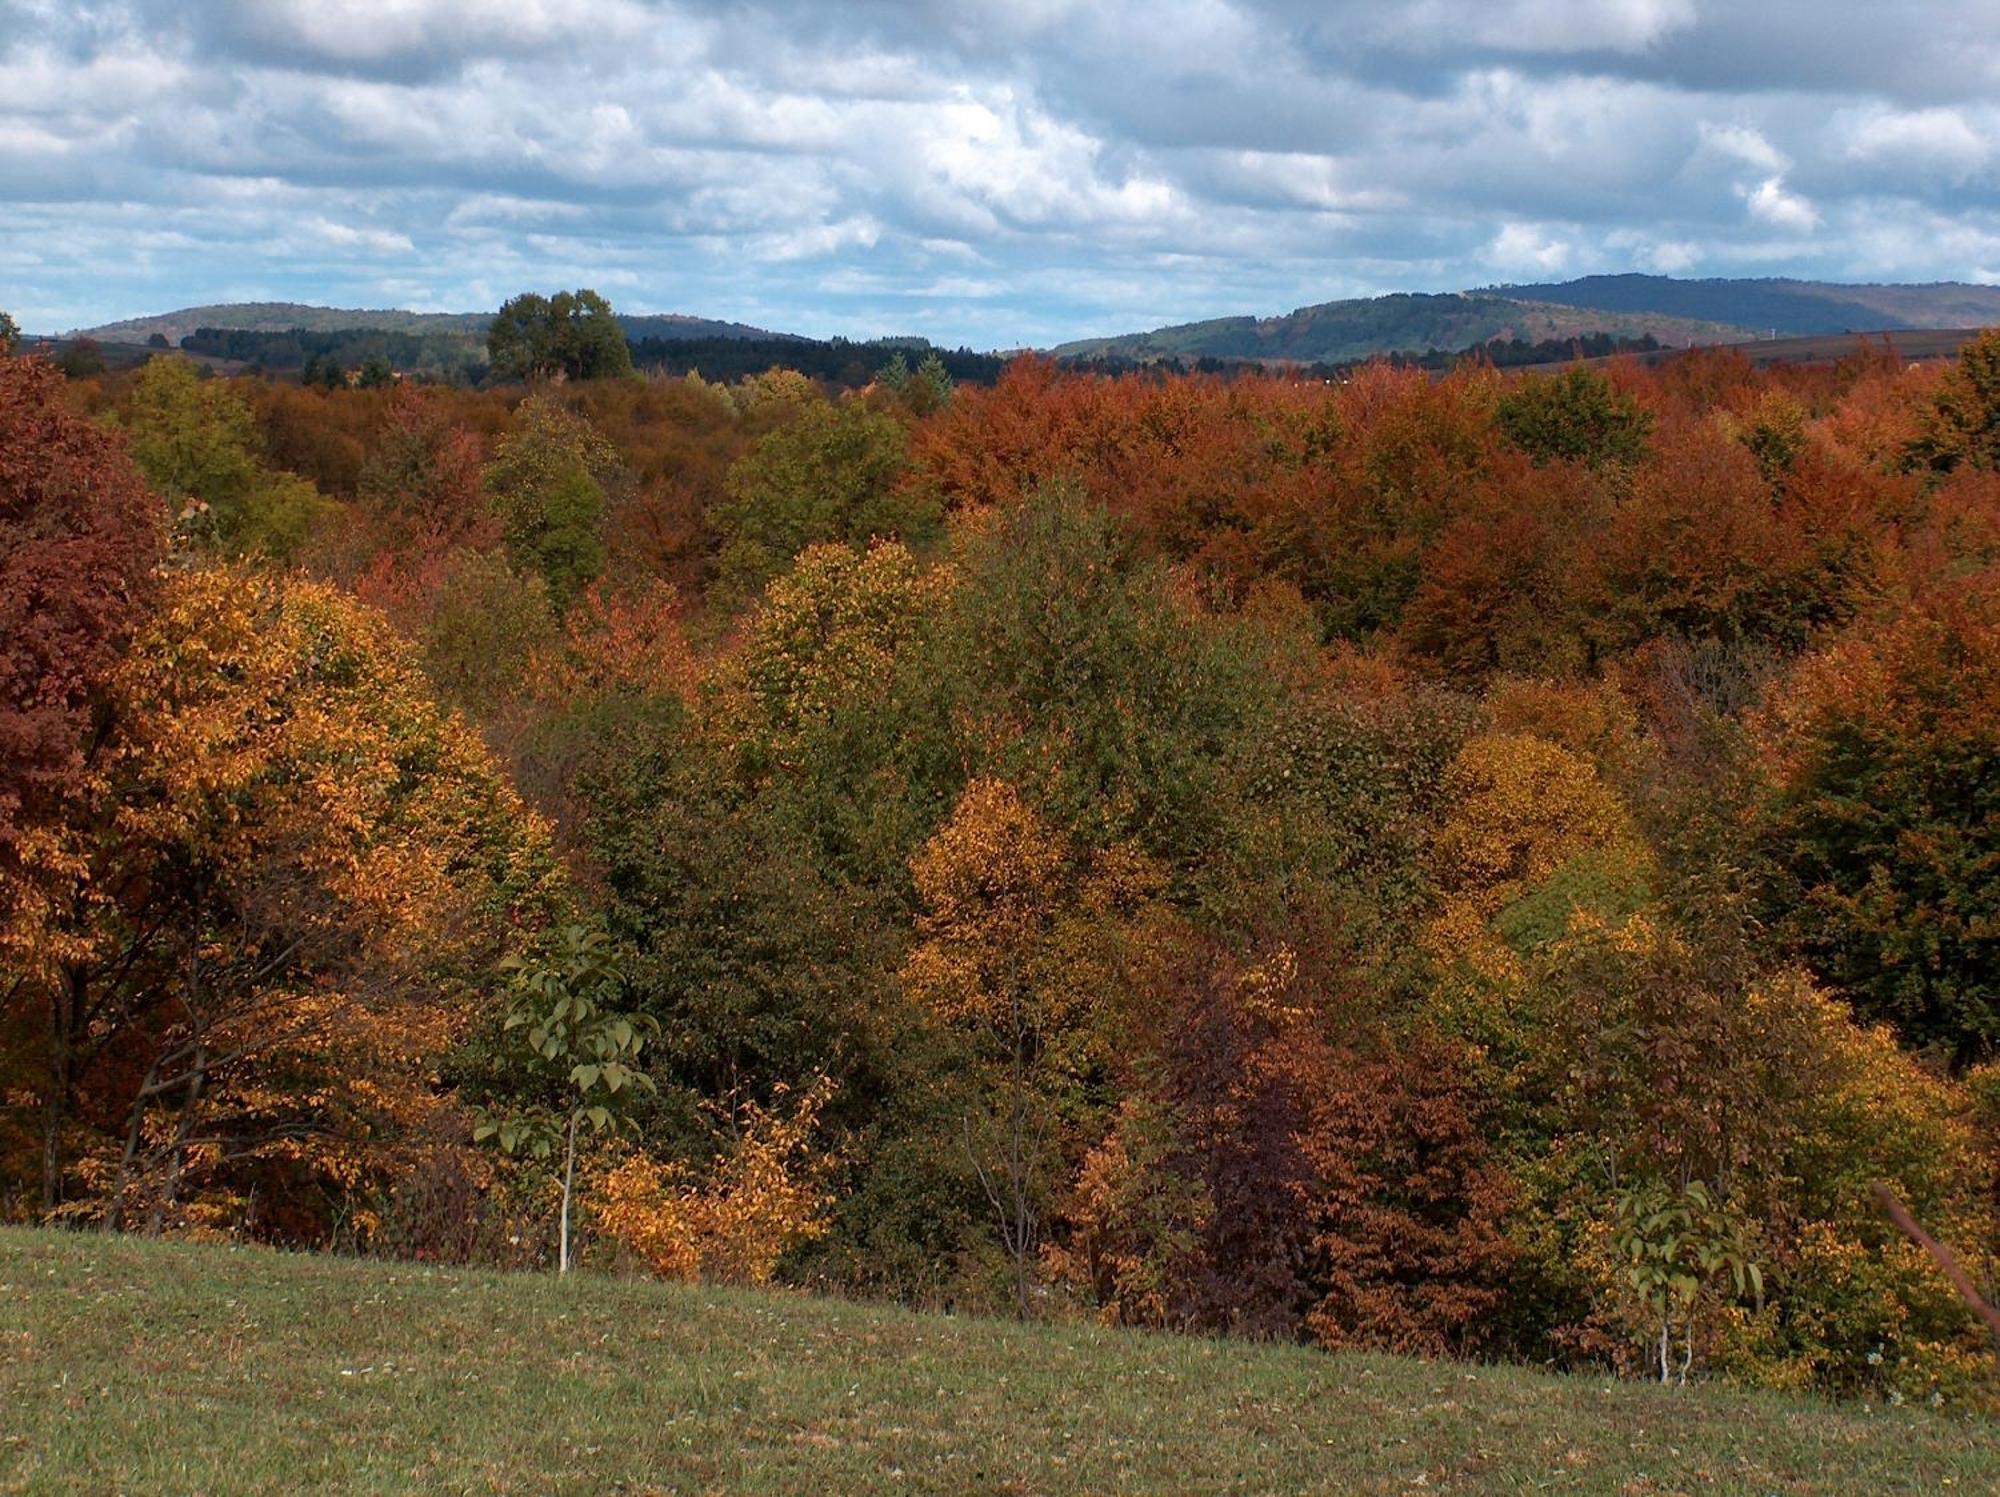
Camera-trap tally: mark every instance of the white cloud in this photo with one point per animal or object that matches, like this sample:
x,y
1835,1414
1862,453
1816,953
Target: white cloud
x,y
1769,202
353,236
1034,168
1553,26
1745,144
1923,139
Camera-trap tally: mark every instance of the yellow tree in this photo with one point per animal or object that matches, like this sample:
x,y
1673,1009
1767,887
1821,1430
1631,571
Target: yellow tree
x,y
288,895
1011,956
1521,809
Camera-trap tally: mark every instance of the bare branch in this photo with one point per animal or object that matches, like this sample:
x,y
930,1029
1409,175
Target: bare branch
x,y
1941,1255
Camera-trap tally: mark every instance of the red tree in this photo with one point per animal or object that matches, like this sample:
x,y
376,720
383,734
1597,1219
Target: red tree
x,y
79,534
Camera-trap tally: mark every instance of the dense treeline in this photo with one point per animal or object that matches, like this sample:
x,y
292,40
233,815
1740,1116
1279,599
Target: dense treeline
x,y
1501,353
327,357
459,358
1488,865
836,361
448,356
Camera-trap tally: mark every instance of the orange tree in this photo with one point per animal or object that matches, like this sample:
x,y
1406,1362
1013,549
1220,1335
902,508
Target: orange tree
x,y
998,960
285,898
79,533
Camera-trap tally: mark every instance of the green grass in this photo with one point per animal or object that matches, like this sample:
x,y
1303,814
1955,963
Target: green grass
x,y
139,1367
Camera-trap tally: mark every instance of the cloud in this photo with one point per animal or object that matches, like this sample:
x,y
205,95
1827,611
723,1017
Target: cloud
x,y
1526,249
1942,140
1770,203
1557,27
999,171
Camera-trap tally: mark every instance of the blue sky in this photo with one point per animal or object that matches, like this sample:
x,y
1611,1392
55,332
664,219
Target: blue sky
x,y
996,172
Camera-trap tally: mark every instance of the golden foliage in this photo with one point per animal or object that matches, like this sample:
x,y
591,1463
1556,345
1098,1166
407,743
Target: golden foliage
x,y
301,868
826,637
1517,809
734,1222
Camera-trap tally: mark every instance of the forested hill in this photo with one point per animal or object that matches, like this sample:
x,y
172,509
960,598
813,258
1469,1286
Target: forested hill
x,y
1783,306
284,317
1340,331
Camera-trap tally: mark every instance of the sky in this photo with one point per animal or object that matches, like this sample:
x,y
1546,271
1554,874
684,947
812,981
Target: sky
x,y
992,172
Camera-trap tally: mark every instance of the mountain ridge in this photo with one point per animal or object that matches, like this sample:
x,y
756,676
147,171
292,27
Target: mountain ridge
x,y
1776,304
284,317
1399,322
1677,312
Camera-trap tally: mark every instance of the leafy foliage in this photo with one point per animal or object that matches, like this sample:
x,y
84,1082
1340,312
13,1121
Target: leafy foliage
x,y
547,482
1576,416
572,334
195,441
827,474
1470,865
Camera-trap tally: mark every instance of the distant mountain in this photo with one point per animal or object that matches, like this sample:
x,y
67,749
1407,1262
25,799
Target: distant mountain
x,y
282,317
1783,306
674,325
1407,322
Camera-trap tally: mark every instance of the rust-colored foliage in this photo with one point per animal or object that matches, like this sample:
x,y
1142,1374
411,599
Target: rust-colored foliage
x,y
79,533
1290,1173
1534,775
421,485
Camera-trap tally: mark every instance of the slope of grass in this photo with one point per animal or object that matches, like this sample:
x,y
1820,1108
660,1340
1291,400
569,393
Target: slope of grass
x,y
138,1367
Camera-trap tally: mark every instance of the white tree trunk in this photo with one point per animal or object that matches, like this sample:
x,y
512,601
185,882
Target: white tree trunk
x,y
569,1184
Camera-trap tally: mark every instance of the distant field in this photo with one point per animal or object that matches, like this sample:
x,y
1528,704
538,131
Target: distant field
x,y
151,1368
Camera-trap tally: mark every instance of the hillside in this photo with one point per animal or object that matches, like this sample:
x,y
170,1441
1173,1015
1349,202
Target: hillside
x,y
1908,345
279,317
133,1366
1784,306
1401,323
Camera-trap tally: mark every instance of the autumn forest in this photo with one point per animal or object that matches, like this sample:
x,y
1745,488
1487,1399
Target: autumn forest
x,y
1472,863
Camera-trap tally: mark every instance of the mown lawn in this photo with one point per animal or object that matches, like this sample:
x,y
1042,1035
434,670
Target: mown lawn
x,y
139,1367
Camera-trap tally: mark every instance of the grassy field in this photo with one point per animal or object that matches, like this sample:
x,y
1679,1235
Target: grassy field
x,y
150,1368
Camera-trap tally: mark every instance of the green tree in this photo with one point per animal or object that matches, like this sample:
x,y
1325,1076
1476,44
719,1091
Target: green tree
x,y
828,474
1884,818
376,373
1962,426
322,372
1075,669
567,1003
484,629
1674,1247
573,334
196,441
546,482
10,333
930,388
1578,416
82,359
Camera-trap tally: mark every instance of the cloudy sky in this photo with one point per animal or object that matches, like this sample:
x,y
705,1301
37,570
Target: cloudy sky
x,y
996,172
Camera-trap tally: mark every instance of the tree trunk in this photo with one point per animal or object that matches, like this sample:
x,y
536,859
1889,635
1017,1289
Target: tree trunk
x,y
569,1186
1020,1231
156,1223
65,1004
